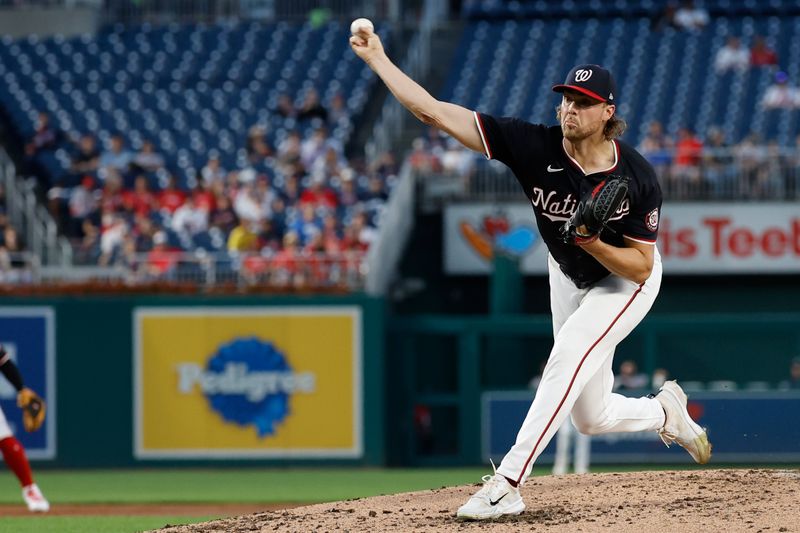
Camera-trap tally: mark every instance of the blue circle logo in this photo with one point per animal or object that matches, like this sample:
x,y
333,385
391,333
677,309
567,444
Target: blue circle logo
x,y
253,382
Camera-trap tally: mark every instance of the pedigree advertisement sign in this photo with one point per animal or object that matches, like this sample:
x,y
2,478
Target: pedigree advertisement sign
x,y
693,238
272,382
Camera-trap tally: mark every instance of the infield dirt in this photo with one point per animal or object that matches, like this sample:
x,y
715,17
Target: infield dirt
x,y
665,501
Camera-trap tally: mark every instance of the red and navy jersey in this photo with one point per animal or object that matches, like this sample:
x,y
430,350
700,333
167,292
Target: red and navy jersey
x,y
554,183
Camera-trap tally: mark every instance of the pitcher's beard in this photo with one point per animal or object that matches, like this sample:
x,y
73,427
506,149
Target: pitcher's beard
x,y
576,134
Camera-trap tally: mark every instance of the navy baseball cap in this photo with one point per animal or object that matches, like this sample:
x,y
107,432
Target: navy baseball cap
x,y
591,80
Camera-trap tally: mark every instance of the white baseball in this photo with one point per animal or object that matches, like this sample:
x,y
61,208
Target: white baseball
x,y
361,23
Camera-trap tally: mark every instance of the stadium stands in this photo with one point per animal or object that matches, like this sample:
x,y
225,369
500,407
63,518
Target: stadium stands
x,y
504,67
126,125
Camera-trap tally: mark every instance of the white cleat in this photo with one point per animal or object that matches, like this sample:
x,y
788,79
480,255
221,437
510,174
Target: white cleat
x,y
679,426
495,499
34,499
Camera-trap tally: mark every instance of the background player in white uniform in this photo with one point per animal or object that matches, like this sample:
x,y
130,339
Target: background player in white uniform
x,y
600,288
13,452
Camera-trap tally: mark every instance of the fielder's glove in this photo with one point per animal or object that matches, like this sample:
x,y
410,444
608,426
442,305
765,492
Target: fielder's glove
x,y
595,210
33,409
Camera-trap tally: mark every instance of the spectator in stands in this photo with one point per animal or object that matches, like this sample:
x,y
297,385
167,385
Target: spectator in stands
x,y
718,169
88,250
793,383
732,56
660,376
141,199
781,95
112,233
247,204
318,194
685,175
351,241
338,115
376,191
204,199
170,198
258,146
212,171
111,195
83,204
365,233
292,190
189,219
348,192
307,224
689,17
269,235
761,55
223,216
331,163
10,248
750,157
331,239
657,147
144,231
242,237
629,377
285,107
287,265
421,159
86,159
457,160
386,165
314,147
312,107
255,266
162,259
147,159
45,136
266,194
117,157
289,148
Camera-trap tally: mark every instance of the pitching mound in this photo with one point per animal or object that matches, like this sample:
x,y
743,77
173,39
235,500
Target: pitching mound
x,y
702,500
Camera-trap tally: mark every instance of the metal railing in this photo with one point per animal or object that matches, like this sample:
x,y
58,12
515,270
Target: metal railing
x,y
30,218
345,271
753,174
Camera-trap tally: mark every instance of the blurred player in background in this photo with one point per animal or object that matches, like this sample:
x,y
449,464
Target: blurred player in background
x,y
13,451
601,286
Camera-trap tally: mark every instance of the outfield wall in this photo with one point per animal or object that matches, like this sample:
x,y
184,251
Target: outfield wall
x,y
166,380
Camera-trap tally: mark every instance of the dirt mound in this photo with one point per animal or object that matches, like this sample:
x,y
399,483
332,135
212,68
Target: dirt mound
x,y
702,500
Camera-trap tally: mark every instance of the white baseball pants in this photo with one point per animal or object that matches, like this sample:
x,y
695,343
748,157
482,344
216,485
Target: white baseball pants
x,y
578,378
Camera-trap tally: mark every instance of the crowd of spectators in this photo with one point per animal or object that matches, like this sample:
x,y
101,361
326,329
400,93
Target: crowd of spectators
x,y
693,167
298,209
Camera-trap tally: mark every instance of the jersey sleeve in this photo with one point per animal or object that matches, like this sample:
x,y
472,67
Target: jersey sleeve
x,y
510,140
641,225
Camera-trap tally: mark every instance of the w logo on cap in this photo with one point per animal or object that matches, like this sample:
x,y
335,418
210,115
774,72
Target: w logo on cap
x,y
583,74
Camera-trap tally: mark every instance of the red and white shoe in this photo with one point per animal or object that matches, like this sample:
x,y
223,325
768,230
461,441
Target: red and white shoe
x,y
34,499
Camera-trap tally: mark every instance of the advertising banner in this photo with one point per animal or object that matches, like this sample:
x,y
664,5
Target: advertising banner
x,y
269,382
28,335
742,427
693,238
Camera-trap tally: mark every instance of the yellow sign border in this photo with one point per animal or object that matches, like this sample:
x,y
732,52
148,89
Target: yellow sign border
x,y
354,452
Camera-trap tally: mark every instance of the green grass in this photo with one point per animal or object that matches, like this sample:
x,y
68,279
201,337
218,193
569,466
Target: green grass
x,y
92,524
254,485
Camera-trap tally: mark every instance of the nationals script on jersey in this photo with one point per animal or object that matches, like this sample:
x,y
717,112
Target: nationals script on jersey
x,y
554,183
